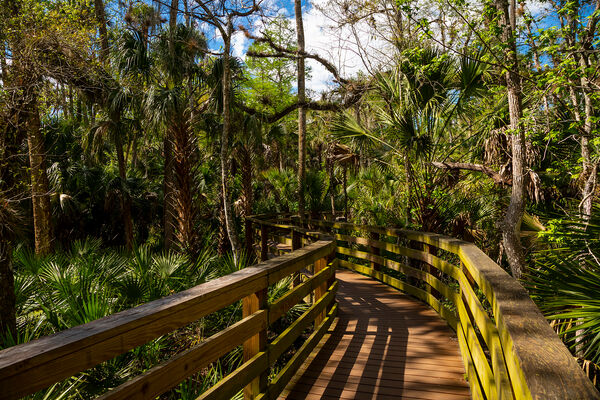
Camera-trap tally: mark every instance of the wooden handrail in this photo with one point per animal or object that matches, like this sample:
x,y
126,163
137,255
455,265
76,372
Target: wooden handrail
x,y
27,368
509,350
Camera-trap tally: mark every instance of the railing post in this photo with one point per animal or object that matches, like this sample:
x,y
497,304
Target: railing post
x,y
296,240
320,291
256,343
431,270
264,243
375,251
249,236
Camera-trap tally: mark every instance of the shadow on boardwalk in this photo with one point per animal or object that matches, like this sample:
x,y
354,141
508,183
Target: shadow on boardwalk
x,y
385,345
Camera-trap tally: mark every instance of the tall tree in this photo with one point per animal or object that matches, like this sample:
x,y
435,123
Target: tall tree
x,y
40,191
511,225
100,13
301,107
222,18
168,104
168,176
225,135
25,79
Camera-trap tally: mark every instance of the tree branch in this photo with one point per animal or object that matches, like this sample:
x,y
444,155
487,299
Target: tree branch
x,y
310,105
498,179
291,53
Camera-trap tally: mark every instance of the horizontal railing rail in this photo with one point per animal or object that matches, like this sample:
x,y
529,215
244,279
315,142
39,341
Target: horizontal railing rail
x,y
508,348
30,367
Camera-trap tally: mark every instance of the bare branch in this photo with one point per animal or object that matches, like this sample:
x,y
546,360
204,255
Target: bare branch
x,y
498,179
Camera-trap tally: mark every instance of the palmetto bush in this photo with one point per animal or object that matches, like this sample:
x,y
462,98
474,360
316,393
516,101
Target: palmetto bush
x,y
565,283
87,282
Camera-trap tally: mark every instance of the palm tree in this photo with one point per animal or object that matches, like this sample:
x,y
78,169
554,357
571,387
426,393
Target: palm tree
x,y
417,101
170,105
247,144
115,127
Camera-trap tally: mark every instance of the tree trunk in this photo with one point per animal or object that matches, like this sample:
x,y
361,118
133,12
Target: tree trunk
x,y
331,167
231,233
408,173
168,188
247,195
125,198
71,105
8,318
183,198
173,14
40,192
3,66
223,245
511,225
169,204
345,183
589,171
302,108
101,19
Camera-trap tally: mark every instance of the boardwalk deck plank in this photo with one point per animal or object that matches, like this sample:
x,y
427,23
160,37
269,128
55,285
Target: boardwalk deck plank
x,y
385,345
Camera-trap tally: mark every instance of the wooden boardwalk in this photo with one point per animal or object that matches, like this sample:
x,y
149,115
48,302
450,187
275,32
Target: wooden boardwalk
x,y
385,345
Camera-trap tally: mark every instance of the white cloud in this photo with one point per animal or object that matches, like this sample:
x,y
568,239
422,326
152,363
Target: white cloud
x,y
538,7
239,44
350,50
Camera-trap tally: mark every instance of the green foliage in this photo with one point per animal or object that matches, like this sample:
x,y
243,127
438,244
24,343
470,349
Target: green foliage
x,y
565,282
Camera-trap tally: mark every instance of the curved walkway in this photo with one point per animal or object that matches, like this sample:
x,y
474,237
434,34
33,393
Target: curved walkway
x,y
385,345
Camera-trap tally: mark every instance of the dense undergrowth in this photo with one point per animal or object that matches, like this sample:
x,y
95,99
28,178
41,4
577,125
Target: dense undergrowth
x,y
87,282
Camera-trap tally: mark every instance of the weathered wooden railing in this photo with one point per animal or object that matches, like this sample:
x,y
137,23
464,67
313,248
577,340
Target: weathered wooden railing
x,y
27,368
508,348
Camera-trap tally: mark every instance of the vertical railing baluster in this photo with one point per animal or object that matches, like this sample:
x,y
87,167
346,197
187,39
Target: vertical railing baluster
x,y
375,251
320,290
256,344
431,270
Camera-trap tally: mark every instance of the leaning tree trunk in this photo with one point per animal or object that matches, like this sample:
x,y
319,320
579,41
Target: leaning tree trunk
x,y
231,233
332,186
247,195
40,192
511,225
302,108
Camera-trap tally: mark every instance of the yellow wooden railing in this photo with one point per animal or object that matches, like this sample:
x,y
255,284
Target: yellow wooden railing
x,y
508,348
30,367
